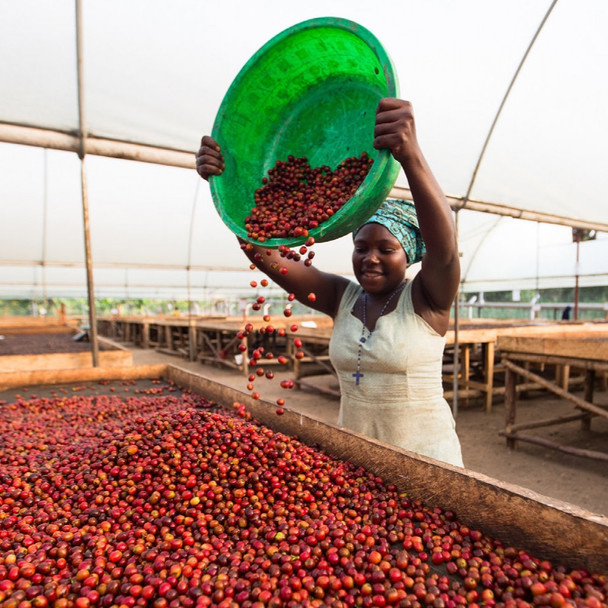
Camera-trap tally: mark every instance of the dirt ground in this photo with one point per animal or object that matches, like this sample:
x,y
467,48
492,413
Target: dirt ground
x,y
573,479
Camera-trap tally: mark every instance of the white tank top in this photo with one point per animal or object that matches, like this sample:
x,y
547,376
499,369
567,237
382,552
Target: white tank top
x,y
399,399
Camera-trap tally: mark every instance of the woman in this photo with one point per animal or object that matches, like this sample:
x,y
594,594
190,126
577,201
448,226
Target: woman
x,y
389,334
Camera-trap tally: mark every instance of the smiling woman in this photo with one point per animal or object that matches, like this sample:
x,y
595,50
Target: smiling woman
x,y
389,334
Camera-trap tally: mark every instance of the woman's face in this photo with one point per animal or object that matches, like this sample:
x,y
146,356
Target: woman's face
x,y
379,261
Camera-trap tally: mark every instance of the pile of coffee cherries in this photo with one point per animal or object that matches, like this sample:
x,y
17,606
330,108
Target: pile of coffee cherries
x,y
296,197
155,496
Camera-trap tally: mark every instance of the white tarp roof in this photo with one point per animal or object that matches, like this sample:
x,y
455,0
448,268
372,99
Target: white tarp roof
x,y
155,73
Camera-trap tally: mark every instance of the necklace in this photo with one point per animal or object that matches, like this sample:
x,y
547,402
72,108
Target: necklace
x,y
362,340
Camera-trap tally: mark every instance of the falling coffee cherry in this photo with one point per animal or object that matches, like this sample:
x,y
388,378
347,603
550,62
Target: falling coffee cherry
x,y
312,297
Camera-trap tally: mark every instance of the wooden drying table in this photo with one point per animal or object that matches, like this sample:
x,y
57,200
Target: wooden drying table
x,y
488,334
588,353
31,344
213,340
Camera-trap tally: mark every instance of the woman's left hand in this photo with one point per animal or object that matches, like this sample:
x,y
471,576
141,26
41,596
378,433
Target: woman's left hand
x,y
396,129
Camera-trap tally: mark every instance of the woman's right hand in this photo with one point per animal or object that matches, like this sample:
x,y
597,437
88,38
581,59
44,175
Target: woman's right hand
x,y
209,159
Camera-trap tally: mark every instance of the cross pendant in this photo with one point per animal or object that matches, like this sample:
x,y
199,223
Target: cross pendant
x,y
357,375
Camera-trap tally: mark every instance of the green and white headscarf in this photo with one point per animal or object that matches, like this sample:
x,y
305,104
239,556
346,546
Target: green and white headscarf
x,y
399,218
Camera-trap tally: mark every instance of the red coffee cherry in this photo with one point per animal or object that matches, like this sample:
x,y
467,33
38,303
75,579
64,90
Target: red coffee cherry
x,y
296,197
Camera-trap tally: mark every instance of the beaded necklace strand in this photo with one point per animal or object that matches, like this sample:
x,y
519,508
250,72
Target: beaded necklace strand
x,y
362,340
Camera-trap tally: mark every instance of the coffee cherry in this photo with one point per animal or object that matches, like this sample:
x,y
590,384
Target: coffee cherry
x,y
295,197
155,496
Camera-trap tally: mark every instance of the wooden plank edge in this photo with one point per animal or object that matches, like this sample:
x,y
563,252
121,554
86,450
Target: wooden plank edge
x,y
65,376
547,443
62,361
109,343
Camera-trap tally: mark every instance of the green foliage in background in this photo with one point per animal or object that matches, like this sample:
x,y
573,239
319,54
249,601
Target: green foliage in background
x,y
138,307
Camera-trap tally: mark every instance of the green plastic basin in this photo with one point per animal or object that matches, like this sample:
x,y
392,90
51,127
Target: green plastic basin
x,y
311,91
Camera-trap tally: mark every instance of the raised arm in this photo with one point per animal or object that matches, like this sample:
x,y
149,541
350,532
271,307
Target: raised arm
x,y
319,290
310,286
437,282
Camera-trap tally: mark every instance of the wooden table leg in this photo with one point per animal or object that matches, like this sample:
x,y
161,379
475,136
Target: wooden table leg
x,y
245,353
489,349
510,404
145,335
589,388
465,369
192,339
562,376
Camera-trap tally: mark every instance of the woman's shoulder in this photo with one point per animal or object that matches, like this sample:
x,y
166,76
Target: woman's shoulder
x,y
350,294
437,320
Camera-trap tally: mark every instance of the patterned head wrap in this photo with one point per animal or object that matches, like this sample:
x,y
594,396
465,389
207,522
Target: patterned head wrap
x,y
399,218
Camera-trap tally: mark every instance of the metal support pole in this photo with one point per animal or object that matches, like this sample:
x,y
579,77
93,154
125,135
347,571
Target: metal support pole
x,y
456,344
576,272
84,191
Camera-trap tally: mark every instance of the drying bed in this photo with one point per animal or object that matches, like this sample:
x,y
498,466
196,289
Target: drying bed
x,y
168,490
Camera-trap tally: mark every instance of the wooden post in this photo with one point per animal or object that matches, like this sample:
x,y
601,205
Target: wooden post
x,y
562,376
510,404
245,354
589,387
488,350
192,337
145,335
462,367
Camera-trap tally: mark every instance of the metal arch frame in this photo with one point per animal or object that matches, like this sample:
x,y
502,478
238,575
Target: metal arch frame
x,y
82,144
472,183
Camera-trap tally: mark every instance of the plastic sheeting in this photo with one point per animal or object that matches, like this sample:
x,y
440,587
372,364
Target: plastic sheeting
x,y
155,73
